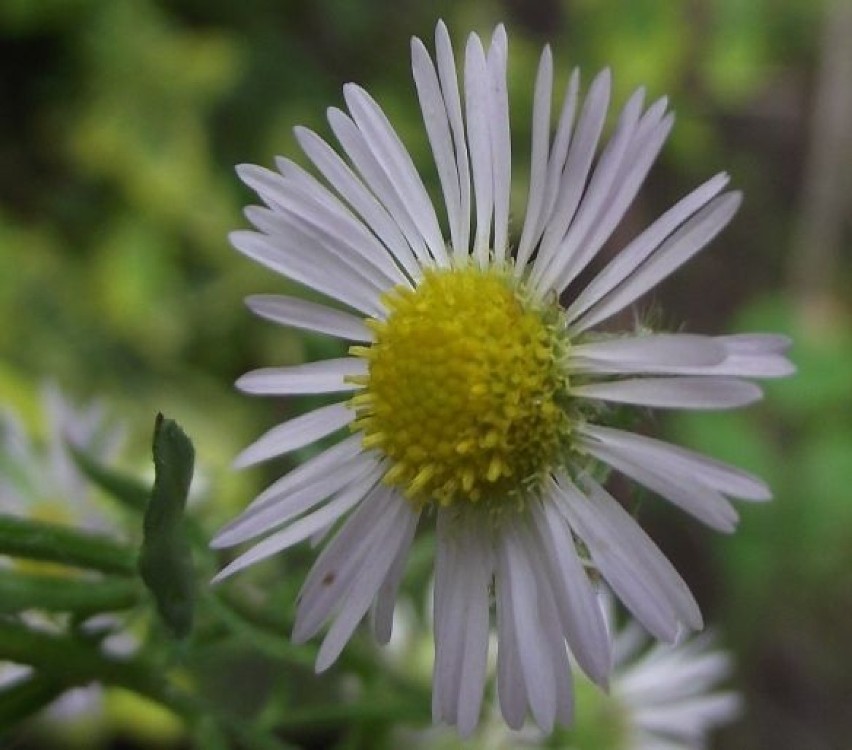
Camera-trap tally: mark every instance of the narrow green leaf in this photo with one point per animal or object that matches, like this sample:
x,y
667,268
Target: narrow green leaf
x,y
37,540
22,591
165,560
130,492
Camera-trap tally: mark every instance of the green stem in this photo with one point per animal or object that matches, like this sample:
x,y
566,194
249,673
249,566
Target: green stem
x,y
36,540
344,713
21,591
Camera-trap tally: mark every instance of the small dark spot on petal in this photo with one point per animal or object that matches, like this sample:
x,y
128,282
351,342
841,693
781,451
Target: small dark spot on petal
x,y
328,579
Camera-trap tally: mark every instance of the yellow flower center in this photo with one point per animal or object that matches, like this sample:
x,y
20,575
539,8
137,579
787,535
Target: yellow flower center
x,y
465,392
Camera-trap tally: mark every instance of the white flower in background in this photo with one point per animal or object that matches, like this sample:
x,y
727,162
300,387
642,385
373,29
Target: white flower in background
x,y
479,400
39,479
669,696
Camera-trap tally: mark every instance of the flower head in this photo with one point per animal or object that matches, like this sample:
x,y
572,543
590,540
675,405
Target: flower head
x,y
669,697
480,399
42,480
39,479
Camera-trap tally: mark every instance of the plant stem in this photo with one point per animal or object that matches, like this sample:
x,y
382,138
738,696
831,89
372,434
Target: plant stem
x,y
21,591
36,540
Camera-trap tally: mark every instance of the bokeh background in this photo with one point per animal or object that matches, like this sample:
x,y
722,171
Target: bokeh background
x,y
120,123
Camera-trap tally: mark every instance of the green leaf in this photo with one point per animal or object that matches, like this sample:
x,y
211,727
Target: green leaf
x,y
165,560
37,540
127,490
22,591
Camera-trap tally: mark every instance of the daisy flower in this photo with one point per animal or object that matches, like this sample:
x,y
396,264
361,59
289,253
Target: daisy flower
x,y
668,697
477,397
42,480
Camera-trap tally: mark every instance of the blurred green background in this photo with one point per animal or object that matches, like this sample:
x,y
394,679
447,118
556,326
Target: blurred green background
x,y
120,123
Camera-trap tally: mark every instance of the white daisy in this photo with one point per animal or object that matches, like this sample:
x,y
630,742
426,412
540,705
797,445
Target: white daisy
x,y
478,400
41,479
669,697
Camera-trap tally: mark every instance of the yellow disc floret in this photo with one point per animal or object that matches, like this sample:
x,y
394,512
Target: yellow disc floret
x,y
464,392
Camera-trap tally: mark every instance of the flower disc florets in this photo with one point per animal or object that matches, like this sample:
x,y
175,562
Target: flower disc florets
x,y
465,392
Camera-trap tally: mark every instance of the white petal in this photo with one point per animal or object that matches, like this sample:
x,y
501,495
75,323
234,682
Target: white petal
x,y
293,534
398,166
558,154
286,255
435,119
641,154
445,60
631,563
343,560
353,191
501,145
572,254
511,689
536,668
366,584
695,498
573,179
720,476
322,217
555,643
754,366
363,234
629,259
756,343
296,433
674,393
581,616
652,354
274,509
383,606
310,316
316,467
751,356
551,637
374,176
670,674
447,607
333,240
475,576
301,489
461,623
671,255
325,376
538,156
690,719
477,85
